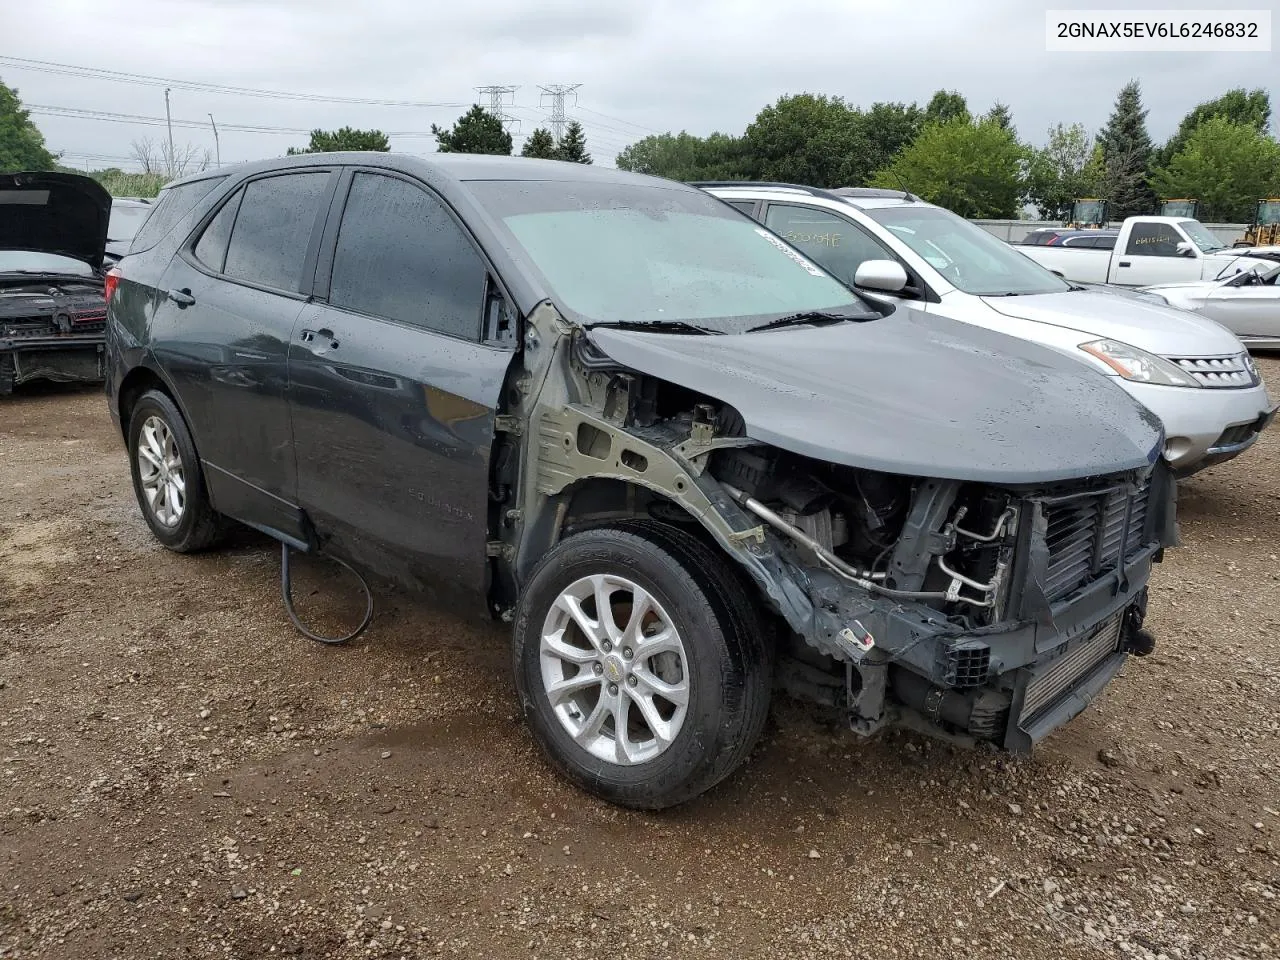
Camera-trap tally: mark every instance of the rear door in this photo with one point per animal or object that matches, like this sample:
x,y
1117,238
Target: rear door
x,y
234,292
394,387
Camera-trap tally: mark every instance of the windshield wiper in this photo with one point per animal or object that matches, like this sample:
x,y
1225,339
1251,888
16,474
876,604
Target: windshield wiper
x,y
655,326
814,317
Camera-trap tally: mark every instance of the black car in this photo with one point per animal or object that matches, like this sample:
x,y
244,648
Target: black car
x,y
681,459
53,231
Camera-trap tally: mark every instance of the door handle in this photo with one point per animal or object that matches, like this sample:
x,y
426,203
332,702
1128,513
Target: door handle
x,y
324,335
1125,263
183,297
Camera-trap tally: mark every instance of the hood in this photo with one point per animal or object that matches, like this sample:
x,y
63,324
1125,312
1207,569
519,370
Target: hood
x,y
1145,324
1235,261
909,394
61,213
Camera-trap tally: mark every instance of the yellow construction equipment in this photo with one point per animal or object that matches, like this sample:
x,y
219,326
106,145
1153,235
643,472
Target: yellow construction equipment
x,y
1265,229
1180,208
1088,214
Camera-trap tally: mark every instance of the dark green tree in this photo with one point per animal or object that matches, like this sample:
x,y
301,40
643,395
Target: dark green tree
x,y
973,169
348,138
21,143
1251,107
1000,114
946,105
1227,166
888,128
573,145
810,139
477,131
682,156
1126,155
539,145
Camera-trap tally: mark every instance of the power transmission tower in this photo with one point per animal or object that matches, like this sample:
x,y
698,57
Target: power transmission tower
x,y
497,94
557,92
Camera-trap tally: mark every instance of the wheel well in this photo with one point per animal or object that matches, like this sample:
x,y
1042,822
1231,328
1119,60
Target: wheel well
x,y
599,501
137,382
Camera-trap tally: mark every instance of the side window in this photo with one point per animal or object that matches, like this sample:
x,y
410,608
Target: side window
x,y
401,256
829,240
172,205
269,242
211,248
746,206
1153,240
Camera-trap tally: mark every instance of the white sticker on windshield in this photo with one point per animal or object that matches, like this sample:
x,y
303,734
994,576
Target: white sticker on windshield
x,y
809,266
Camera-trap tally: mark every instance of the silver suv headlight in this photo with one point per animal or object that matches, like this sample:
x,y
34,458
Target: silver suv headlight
x,y
1138,365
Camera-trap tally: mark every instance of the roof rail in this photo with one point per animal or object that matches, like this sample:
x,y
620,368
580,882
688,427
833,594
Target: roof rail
x,y
841,194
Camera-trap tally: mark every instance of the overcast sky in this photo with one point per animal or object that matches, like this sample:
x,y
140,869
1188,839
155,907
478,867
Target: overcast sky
x,y
644,65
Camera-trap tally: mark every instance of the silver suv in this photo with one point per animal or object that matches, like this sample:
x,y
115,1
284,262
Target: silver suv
x,y
1194,374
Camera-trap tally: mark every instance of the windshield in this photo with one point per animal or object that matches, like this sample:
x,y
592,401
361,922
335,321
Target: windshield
x,y
628,253
1201,236
126,221
968,257
32,261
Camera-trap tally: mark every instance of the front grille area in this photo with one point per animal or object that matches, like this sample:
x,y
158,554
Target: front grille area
x,y
1232,436
1223,372
1091,533
1078,659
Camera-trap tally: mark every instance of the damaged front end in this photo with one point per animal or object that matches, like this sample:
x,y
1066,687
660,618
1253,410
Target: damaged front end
x,y
51,331
980,611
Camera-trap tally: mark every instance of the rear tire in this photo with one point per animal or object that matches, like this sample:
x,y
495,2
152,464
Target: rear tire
x,y
690,676
167,478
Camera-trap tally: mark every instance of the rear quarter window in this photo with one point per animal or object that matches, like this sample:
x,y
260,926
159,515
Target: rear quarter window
x,y
172,205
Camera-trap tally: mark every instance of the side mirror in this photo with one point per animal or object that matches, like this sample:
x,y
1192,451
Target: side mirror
x,y
1186,249
887,276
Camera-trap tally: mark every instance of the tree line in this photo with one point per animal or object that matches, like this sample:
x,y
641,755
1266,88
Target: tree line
x,y
1222,154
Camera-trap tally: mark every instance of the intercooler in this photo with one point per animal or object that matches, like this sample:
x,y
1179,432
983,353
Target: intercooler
x,y
1078,659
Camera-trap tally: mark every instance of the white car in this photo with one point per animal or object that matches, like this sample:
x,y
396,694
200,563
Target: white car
x,y
1247,304
1194,374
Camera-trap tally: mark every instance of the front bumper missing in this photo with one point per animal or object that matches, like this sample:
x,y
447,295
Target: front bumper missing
x,y
66,358
1053,692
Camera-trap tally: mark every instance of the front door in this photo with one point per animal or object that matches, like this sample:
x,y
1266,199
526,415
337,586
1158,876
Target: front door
x,y
1247,309
234,294
1151,256
393,389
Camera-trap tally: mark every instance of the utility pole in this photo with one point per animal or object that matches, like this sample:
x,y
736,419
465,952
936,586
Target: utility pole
x,y
168,122
496,94
557,92
217,147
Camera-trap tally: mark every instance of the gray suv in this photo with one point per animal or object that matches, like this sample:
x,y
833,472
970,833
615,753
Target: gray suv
x,y
684,462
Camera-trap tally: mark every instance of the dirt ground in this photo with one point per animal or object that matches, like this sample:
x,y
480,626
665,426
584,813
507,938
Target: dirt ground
x,y
182,775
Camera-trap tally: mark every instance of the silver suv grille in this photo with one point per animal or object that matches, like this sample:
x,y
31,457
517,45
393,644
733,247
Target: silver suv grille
x,y
1230,371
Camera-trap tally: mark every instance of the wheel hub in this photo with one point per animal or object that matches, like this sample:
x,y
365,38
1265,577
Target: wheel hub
x,y
614,669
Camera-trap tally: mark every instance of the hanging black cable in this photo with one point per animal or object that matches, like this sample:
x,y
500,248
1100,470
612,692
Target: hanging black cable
x,y
286,591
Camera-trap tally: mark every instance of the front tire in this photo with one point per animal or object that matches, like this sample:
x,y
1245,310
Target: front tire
x,y
167,478
661,698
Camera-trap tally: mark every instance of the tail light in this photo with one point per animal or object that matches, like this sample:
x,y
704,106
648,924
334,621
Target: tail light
x,y
109,285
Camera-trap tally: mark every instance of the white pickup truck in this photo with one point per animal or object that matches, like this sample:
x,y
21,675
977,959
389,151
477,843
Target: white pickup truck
x,y
1148,250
